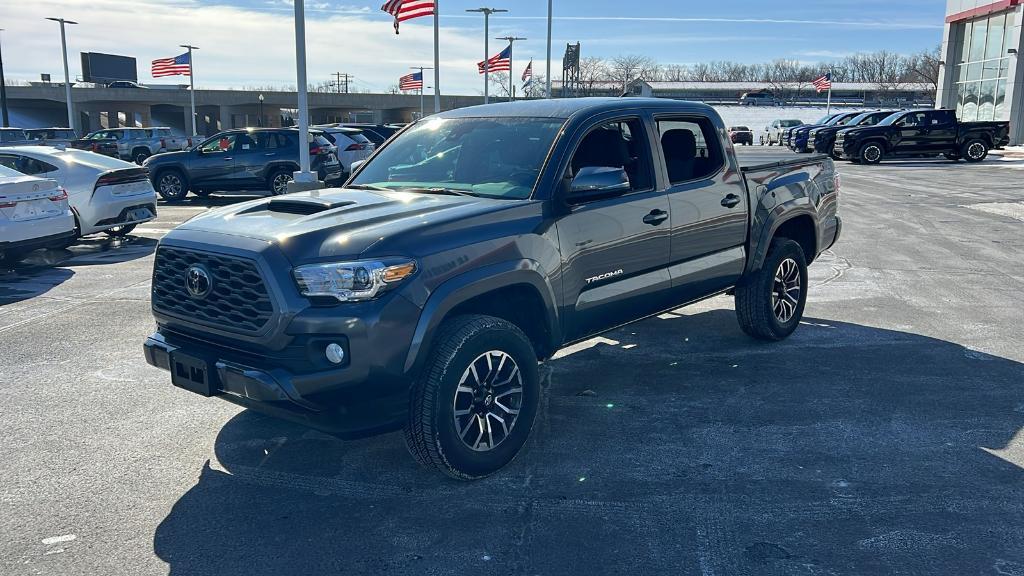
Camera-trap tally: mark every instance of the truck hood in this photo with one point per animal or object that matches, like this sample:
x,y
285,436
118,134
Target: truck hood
x,y
862,131
335,223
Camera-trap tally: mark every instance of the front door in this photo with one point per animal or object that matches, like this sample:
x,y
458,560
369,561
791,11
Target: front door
x,y
709,208
212,164
913,134
614,250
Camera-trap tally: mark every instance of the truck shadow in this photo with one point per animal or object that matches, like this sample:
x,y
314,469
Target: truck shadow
x,y
677,445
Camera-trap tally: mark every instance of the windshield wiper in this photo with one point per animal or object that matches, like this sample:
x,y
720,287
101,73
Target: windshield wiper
x,y
449,191
368,187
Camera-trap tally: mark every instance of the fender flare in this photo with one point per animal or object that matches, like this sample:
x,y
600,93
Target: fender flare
x,y
790,210
471,284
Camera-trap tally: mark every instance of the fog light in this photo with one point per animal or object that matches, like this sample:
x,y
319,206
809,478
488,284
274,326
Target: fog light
x,y
335,353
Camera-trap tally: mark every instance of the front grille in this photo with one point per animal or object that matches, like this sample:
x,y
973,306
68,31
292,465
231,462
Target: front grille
x,y
238,301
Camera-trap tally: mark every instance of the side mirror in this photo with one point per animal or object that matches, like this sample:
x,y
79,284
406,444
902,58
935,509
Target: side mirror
x,y
355,166
595,182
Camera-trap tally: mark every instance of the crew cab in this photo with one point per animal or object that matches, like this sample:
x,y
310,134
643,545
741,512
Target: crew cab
x,y
242,159
916,133
473,244
823,138
790,133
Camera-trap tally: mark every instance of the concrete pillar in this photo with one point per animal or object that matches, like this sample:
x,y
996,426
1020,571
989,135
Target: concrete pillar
x,y
1015,80
225,117
945,96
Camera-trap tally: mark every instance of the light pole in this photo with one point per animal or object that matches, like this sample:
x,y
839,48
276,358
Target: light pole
x,y
191,83
423,82
259,120
487,17
303,179
67,75
3,90
511,69
547,68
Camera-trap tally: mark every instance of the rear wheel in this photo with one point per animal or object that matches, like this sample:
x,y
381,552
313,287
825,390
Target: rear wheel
x,y
770,304
278,181
120,231
171,185
871,153
472,409
139,156
974,150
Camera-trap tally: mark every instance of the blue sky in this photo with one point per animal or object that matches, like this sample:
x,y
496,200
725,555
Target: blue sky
x,y
250,42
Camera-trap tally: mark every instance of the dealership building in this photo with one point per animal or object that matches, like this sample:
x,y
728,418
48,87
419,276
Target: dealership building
x,y
981,73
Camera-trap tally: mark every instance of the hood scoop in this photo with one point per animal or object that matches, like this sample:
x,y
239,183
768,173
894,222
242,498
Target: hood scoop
x,y
305,205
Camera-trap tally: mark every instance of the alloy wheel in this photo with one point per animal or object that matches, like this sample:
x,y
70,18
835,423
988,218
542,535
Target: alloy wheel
x,y
786,290
872,153
280,183
976,150
487,401
170,185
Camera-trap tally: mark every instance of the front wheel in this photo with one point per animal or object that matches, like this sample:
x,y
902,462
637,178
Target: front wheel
x,y
171,185
870,153
472,409
770,303
139,156
974,150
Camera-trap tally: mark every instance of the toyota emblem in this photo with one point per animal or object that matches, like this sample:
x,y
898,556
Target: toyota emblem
x,y
198,282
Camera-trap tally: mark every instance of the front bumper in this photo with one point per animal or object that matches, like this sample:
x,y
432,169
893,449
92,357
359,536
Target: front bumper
x,y
843,150
343,407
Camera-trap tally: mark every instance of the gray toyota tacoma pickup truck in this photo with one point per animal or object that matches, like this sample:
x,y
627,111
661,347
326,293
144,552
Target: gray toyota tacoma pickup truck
x,y
467,249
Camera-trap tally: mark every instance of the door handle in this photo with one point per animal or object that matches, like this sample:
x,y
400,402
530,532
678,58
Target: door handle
x,y
655,217
228,159
271,154
730,201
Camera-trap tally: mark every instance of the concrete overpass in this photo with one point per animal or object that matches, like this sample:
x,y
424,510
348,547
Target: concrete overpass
x,y
95,108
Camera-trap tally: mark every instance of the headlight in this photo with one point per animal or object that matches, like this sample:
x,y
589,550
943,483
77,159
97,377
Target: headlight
x,y
351,281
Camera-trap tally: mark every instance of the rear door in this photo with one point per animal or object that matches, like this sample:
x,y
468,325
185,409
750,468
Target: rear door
x,y
941,131
614,250
250,158
708,204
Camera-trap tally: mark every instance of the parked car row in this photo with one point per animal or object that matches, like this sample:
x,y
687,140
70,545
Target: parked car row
x,y
262,159
99,194
869,137
134,144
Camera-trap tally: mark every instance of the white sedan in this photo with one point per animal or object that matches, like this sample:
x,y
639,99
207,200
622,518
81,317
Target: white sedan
x,y
34,213
106,194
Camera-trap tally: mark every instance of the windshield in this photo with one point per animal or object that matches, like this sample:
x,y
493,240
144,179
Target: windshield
x,y
825,119
790,123
491,157
890,119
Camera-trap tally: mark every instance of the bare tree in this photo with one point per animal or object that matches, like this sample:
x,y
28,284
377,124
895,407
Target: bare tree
x,y
675,73
924,67
593,71
499,84
625,69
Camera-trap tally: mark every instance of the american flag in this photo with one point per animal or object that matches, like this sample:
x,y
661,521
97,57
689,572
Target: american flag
x,y
404,10
528,73
501,62
177,66
412,81
823,83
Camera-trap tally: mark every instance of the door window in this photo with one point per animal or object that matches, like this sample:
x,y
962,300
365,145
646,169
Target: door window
x,y
26,165
225,143
691,148
617,144
913,120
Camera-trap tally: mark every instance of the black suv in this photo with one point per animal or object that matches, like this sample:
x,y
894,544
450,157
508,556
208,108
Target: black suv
x,y
243,159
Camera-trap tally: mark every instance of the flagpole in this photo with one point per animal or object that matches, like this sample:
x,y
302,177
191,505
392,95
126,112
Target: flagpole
x,y
511,74
487,34
437,64
192,83
828,101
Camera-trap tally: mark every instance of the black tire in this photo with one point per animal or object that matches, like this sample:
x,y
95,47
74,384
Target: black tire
x,y
871,153
172,185
756,307
431,431
974,150
120,231
139,156
278,181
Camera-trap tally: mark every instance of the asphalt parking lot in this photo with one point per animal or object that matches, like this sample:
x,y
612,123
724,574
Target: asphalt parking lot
x,y
885,437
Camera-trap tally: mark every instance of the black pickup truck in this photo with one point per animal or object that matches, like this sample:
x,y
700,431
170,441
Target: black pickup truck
x,y
921,133
822,139
470,246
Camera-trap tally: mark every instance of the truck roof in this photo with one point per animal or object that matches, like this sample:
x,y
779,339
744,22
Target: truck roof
x,y
567,107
